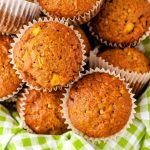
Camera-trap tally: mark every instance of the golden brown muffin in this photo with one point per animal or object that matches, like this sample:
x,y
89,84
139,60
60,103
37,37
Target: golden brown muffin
x,y
122,21
86,41
43,112
67,8
9,81
129,59
99,105
49,54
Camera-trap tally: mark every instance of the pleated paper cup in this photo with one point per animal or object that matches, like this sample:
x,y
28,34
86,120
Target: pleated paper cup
x,y
15,13
21,109
117,45
24,29
137,81
91,139
80,19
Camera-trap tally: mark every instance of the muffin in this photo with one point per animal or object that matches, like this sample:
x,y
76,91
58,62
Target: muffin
x,y
129,59
130,63
48,55
86,41
122,22
41,112
78,11
15,13
9,81
99,106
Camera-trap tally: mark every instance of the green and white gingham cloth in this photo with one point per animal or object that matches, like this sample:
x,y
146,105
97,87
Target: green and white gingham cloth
x,y
137,137
14,137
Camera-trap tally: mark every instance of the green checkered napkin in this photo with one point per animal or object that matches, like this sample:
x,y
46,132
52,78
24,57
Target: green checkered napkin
x,y
14,137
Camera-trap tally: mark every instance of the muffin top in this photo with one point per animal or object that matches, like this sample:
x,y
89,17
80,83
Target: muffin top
x,y
99,105
67,8
130,59
122,21
86,41
43,112
49,54
9,81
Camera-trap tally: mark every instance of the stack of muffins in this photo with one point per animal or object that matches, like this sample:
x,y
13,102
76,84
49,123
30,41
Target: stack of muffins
x,y
44,65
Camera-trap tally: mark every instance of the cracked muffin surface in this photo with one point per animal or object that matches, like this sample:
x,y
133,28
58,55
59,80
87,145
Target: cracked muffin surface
x,y
9,81
43,112
122,21
67,8
99,105
129,59
49,54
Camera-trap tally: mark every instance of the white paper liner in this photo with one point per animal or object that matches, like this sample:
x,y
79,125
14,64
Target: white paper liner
x,y
80,19
22,98
136,80
15,13
117,45
26,27
97,140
